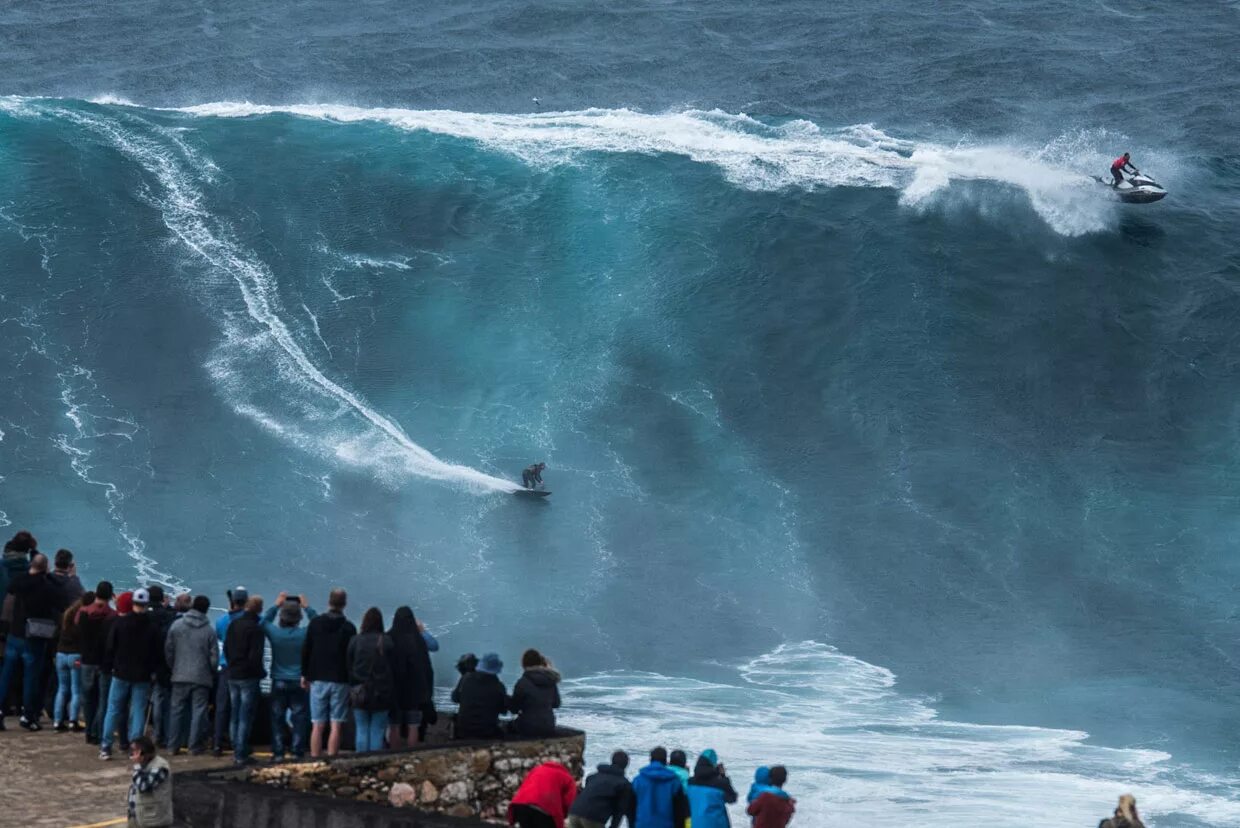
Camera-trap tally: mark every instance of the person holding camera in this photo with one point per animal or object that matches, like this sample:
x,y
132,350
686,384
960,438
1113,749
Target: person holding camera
x,y
287,637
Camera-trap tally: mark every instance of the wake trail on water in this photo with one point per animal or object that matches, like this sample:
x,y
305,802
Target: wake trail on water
x,y
750,153
330,413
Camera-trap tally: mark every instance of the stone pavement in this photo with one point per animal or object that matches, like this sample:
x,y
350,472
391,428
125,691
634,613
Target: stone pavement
x,y
57,780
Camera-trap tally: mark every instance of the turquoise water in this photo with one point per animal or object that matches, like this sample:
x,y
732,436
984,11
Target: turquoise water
x,y
883,442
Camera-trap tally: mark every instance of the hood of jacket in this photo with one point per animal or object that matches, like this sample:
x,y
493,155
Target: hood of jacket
x,y
542,676
611,770
195,618
705,769
657,772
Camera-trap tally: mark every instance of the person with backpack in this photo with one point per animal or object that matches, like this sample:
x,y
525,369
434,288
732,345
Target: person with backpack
x,y
606,799
372,689
37,607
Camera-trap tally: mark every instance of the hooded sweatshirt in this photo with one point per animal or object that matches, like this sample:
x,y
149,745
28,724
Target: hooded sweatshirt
x,y
243,647
192,649
324,656
710,792
534,699
607,795
661,801
550,788
92,623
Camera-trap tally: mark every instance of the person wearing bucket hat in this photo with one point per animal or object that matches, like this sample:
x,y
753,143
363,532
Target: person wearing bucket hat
x,y
483,699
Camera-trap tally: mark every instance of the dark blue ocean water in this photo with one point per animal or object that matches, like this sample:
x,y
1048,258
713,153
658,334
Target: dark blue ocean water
x,y
883,442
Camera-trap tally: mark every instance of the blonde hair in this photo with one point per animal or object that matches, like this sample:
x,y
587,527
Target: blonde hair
x,y
1128,807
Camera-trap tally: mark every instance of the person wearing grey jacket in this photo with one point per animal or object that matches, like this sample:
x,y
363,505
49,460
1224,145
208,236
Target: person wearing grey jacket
x,y
192,650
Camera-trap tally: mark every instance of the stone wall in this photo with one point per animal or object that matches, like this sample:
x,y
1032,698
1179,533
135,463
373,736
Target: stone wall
x,y
463,779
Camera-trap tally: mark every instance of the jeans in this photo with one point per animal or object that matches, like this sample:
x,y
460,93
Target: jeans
x,y
136,694
95,687
161,704
68,688
371,725
243,697
189,701
223,709
30,652
288,695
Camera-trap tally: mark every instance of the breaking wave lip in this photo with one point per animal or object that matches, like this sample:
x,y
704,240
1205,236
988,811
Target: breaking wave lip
x,y
859,752
748,152
264,338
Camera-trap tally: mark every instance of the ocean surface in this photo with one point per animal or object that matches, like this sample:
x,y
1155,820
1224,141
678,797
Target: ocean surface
x,y
884,443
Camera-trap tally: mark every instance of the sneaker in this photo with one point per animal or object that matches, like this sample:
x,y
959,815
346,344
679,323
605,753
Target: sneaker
x,y
60,727
29,724
105,754
77,727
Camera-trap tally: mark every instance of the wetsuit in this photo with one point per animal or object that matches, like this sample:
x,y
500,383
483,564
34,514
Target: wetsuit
x,y
531,476
1118,167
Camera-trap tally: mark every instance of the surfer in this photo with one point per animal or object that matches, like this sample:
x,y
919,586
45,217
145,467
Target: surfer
x,y
533,475
1120,166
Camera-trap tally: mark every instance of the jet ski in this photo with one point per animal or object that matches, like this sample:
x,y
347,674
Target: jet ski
x,y
1138,188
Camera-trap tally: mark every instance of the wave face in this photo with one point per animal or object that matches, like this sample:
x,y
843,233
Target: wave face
x,y
933,399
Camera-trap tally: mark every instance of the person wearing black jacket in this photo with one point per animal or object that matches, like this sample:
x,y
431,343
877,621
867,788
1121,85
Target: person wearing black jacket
x,y
325,672
483,699
414,677
131,652
93,622
607,796
161,688
37,606
243,647
535,697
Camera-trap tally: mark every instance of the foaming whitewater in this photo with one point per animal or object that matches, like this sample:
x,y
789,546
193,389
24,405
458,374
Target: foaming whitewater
x,y
865,754
351,432
749,153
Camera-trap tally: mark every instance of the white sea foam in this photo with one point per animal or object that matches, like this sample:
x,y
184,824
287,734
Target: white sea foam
x,y
865,754
749,153
261,363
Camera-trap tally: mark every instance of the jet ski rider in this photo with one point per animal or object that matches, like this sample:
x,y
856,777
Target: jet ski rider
x,y
1120,166
533,475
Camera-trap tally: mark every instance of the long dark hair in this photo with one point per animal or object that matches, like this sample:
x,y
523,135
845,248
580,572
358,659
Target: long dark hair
x,y
372,621
403,623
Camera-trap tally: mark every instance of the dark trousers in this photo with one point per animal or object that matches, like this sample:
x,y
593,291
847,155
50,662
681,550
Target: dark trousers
x,y
95,687
223,709
1117,175
161,708
527,816
187,720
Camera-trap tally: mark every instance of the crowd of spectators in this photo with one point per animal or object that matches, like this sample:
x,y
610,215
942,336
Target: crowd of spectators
x,y
115,666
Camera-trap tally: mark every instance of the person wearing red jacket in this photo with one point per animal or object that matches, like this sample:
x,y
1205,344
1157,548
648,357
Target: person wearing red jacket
x,y
773,808
544,797
1120,166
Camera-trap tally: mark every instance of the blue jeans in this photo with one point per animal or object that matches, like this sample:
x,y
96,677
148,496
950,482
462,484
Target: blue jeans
x,y
68,688
371,726
135,694
243,697
288,695
30,652
189,701
96,685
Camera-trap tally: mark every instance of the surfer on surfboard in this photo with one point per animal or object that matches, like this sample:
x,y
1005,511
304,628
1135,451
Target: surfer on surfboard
x,y
532,476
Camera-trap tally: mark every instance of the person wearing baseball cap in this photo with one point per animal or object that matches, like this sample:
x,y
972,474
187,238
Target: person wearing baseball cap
x,y
131,651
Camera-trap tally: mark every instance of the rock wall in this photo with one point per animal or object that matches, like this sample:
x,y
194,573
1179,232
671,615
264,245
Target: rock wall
x,y
468,779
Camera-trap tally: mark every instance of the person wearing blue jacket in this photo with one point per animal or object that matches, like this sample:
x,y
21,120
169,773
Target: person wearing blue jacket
x,y
287,695
710,792
661,801
223,705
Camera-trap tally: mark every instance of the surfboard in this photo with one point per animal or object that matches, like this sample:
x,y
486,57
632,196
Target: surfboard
x,y
531,493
